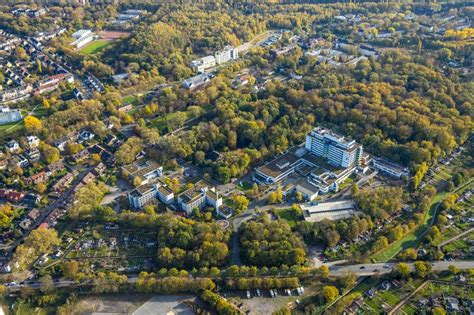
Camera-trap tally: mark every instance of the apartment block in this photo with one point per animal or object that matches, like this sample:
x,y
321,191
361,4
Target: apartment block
x,y
337,149
148,193
199,196
227,54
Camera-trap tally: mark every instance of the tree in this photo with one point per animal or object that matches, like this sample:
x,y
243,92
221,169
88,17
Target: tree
x,y
7,214
402,270
240,203
49,153
70,269
46,283
453,269
33,124
324,271
439,310
348,280
449,202
41,188
422,268
330,293
127,151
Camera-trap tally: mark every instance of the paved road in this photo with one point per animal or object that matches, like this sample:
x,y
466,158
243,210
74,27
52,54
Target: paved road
x,y
384,268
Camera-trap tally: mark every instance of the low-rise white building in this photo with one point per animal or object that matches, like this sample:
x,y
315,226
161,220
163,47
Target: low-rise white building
x,y
199,196
82,37
148,193
390,168
202,64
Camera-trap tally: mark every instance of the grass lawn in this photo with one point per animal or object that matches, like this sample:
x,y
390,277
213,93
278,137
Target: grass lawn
x,y
162,122
95,47
446,235
288,215
132,99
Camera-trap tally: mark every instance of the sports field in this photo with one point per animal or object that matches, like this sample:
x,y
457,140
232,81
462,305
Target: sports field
x,y
95,46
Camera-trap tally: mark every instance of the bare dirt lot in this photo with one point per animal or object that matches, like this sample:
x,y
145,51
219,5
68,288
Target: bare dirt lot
x,y
119,304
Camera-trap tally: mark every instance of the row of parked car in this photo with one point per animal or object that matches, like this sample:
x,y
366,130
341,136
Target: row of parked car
x,y
274,292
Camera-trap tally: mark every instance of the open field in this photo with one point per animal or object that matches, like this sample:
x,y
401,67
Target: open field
x,y
95,46
289,215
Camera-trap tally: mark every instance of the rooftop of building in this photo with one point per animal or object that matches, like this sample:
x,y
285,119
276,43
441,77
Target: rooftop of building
x,y
141,167
195,192
279,165
391,165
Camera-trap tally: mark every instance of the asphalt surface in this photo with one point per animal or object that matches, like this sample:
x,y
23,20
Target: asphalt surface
x,y
384,268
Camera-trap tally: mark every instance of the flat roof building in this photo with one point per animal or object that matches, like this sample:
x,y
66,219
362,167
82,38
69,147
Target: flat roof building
x,y
199,196
145,170
333,210
148,193
225,55
337,149
390,168
202,64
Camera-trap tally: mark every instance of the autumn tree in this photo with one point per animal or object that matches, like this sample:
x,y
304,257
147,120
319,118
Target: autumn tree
x,y
330,293
33,124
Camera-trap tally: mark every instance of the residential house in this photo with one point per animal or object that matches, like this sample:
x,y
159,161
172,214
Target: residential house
x,y
37,178
12,195
33,155
33,141
63,183
20,161
55,167
80,156
12,146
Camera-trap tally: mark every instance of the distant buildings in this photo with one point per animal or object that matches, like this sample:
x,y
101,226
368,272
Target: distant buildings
x,y
8,115
199,196
15,94
221,57
82,38
52,83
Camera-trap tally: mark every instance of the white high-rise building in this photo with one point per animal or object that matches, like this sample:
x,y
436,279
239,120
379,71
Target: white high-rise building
x,y
225,55
337,149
